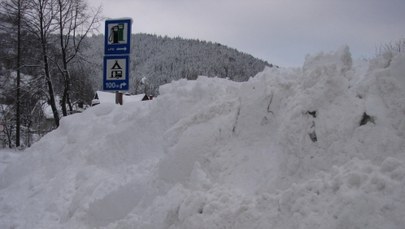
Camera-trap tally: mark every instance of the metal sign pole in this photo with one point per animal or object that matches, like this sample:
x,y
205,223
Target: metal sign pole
x,y
119,98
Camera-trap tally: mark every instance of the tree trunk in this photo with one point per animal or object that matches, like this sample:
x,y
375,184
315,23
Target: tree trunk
x,y
65,94
66,91
65,73
51,92
18,99
46,69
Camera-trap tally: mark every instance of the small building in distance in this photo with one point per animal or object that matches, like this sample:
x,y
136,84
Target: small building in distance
x,y
109,97
147,97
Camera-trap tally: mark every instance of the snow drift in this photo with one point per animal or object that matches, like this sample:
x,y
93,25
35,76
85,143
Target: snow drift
x,y
322,146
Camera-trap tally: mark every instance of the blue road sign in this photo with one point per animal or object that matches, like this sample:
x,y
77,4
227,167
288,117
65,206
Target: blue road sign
x,y
117,34
116,73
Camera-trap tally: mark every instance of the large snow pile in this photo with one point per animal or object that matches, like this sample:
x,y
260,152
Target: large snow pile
x,y
322,146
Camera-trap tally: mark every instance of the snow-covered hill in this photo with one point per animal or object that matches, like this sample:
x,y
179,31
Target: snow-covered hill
x,y
322,146
158,60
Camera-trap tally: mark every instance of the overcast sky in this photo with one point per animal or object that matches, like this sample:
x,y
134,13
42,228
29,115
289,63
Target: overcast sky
x,y
282,32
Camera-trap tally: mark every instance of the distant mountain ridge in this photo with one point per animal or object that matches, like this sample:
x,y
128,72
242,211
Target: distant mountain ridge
x,y
157,60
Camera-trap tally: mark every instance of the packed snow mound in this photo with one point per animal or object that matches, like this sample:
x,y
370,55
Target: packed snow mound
x,y
322,146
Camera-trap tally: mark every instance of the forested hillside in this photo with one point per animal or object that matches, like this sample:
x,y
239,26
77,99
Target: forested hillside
x,y
155,60
158,60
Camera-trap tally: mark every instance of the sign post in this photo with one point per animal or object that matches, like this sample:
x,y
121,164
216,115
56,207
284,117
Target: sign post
x,y
117,48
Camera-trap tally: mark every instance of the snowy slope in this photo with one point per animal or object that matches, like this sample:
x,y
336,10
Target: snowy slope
x,y
322,146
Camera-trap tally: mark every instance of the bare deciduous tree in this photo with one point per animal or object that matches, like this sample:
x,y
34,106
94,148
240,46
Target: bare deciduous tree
x,y
74,21
13,11
41,22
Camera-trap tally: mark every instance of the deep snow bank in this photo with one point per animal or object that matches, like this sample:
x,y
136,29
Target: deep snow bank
x,y
317,147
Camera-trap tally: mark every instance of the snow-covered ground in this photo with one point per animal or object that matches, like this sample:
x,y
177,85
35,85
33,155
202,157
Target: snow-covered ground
x,y
322,146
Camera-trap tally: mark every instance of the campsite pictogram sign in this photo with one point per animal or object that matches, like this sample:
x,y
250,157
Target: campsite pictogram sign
x,y
116,73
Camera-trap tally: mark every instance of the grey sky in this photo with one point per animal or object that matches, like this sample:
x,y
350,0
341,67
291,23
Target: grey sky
x,y
282,32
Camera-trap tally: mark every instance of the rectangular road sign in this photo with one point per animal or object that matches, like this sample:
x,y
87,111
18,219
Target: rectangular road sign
x,y
116,73
117,35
